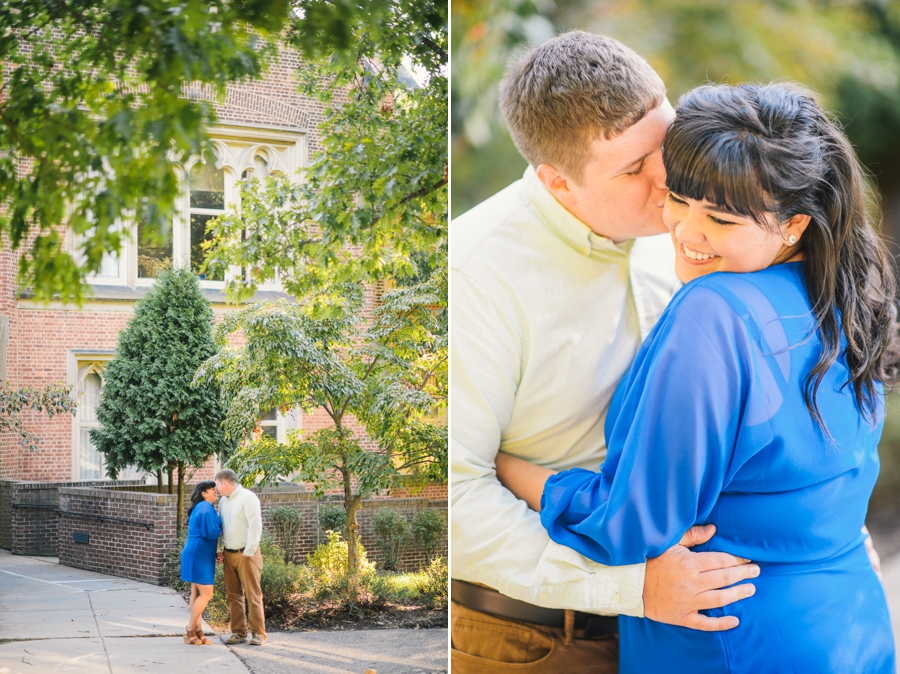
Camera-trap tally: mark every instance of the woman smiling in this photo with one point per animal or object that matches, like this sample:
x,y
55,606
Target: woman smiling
x,y
756,403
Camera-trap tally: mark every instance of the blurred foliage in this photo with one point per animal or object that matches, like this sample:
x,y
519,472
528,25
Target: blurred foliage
x,y
887,489
847,50
287,522
332,518
429,529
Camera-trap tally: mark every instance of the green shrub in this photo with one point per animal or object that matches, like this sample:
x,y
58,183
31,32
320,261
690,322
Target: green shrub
x,y
333,518
399,588
435,586
279,581
392,533
171,571
287,523
429,527
330,558
279,578
326,574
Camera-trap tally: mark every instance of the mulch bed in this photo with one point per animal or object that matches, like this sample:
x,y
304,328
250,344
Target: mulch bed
x,y
388,617
302,615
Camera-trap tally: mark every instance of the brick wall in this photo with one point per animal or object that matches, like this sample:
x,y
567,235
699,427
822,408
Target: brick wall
x,y
412,557
5,514
133,550
119,548
28,519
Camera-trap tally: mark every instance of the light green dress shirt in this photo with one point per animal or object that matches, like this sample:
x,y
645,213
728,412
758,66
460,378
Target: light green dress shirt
x,y
241,517
546,317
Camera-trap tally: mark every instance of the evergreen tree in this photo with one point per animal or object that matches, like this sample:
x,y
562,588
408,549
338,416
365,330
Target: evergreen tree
x,y
149,413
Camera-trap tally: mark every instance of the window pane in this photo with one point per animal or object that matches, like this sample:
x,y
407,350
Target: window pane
x,y
271,415
89,462
90,398
109,266
152,258
262,167
271,431
198,236
207,184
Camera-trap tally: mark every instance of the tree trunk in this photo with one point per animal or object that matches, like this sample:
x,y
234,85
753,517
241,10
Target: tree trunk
x,y
351,504
159,482
180,507
169,470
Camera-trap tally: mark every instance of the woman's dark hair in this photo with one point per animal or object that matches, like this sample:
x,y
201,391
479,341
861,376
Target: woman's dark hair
x,y
197,496
756,149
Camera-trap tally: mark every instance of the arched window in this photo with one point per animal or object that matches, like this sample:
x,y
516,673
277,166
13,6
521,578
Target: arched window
x,y
207,201
89,463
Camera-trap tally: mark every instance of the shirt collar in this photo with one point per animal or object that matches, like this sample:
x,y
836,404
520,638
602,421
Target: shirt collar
x,y
237,490
567,227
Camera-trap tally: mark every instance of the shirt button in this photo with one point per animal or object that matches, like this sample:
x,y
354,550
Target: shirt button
x,y
616,598
543,595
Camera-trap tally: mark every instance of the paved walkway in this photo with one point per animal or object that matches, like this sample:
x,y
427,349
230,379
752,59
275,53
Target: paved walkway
x,y
67,621
57,619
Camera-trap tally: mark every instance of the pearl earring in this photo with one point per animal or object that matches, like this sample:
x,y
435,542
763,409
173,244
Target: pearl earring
x,y
792,239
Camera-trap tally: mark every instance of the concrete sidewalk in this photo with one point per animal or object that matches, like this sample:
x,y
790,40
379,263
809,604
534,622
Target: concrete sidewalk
x,y
58,619
62,620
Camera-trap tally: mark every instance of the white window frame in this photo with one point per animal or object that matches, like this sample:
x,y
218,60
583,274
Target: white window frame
x,y
291,420
235,148
80,365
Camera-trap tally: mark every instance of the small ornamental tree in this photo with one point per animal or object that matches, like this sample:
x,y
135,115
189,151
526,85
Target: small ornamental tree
x,y
150,415
390,376
53,399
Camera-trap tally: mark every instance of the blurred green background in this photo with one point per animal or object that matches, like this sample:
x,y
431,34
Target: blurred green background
x,y
847,50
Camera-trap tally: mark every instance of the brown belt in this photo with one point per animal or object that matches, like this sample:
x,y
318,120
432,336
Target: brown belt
x,y
490,601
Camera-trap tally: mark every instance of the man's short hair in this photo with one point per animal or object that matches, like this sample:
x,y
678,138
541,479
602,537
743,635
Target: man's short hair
x,y
569,91
227,474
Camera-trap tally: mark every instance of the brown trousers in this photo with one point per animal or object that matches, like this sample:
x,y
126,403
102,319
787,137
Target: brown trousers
x,y
242,576
484,644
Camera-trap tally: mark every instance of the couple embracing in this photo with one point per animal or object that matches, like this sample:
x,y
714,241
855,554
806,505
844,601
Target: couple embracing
x,y
230,537
729,375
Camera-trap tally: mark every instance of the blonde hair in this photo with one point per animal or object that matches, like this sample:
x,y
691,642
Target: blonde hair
x,y
569,91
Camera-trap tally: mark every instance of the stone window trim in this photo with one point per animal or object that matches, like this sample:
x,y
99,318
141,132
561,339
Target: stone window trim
x,y
80,364
277,424
236,148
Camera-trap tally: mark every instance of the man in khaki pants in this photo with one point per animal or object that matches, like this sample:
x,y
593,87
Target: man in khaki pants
x,y
555,282
241,517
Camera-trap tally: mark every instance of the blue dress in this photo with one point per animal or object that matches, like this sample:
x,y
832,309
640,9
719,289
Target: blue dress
x,y
710,426
198,558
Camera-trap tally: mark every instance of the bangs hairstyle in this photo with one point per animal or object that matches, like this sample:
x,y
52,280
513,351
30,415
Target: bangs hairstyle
x,y
732,147
718,166
756,150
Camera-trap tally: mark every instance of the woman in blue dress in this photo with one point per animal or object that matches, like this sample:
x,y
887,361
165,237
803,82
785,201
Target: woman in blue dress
x,y
198,558
756,403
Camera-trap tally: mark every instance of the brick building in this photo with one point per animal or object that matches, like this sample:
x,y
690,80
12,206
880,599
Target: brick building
x,y
263,126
